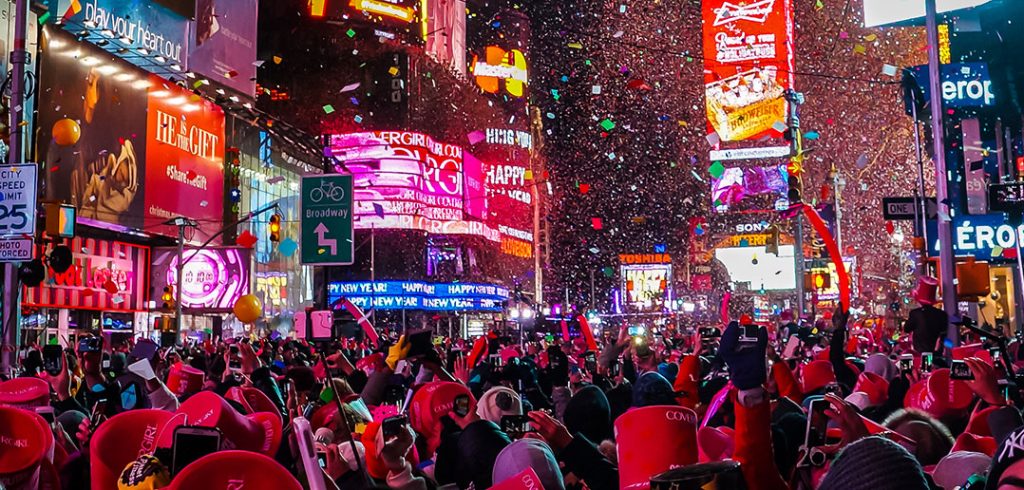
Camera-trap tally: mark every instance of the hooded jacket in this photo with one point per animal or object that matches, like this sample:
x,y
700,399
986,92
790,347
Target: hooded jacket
x,y
589,413
478,448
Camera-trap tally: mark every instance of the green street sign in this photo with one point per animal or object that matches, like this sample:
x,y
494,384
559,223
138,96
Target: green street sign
x,y
326,220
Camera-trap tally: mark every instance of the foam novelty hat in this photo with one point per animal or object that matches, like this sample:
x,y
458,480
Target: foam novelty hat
x,y
235,469
652,440
252,399
259,432
373,442
817,374
874,386
121,440
25,444
715,444
183,379
939,395
25,393
976,443
431,402
926,291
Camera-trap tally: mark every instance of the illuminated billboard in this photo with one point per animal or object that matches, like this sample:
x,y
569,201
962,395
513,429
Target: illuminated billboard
x,y
415,295
510,202
757,269
881,12
406,180
212,279
762,188
748,66
499,68
647,285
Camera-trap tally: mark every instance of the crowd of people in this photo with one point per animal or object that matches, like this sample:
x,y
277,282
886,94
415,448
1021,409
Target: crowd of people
x,y
838,404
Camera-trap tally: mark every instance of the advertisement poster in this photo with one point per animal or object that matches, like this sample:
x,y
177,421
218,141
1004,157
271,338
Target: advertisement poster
x,y
143,24
755,188
748,65
445,29
104,173
406,180
185,160
224,44
212,280
104,275
476,181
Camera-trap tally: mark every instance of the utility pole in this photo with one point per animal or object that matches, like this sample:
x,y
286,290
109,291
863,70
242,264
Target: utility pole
x,y
941,189
10,320
182,223
795,99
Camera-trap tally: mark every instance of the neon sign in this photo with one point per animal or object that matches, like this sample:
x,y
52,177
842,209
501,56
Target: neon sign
x,y
984,236
385,9
646,285
415,295
499,66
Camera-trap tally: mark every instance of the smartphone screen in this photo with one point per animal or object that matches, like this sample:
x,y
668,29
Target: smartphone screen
x,y
461,405
420,342
906,362
960,370
926,362
99,412
817,423
53,359
192,443
393,425
321,459
516,425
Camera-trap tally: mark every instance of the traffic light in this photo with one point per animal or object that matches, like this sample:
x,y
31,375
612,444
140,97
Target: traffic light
x,y
275,228
168,298
795,194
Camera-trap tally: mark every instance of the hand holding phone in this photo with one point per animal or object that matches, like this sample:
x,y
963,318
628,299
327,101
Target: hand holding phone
x,y
392,426
53,359
191,443
516,426
960,370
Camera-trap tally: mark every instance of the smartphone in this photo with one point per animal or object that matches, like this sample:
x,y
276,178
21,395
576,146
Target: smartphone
x,y
791,347
516,425
420,342
590,362
99,413
90,344
321,459
906,362
708,332
53,359
926,362
496,360
461,405
392,426
748,333
47,414
635,330
960,370
192,443
817,424
235,365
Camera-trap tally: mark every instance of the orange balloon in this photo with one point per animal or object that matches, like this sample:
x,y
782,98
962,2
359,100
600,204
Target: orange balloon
x,y
66,132
248,309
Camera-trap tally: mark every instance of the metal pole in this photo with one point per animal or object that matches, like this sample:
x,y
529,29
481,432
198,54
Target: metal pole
x,y
593,302
179,279
795,99
11,322
921,209
941,191
839,210
373,278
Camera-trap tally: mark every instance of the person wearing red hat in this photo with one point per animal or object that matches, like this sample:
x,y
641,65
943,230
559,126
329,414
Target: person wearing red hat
x,y
926,323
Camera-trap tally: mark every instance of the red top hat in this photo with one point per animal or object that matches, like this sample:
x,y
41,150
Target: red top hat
x,y
431,402
817,374
875,386
235,469
25,393
25,443
259,432
652,440
183,379
373,441
926,291
978,424
121,440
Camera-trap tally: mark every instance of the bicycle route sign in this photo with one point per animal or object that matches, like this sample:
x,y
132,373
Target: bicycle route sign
x,y
326,220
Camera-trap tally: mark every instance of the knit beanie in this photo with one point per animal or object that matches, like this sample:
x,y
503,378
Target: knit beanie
x,y
498,402
873,463
528,453
652,389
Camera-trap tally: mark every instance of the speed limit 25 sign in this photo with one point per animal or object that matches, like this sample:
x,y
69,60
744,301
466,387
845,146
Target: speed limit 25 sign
x,y
18,199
